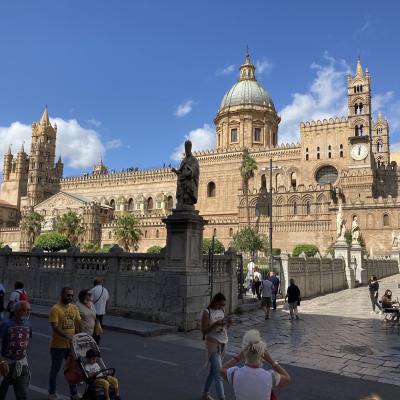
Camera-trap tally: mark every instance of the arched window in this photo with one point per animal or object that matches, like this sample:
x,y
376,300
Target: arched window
x,y
145,234
341,153
130,205
294,208
308,208
211,189
329,155
327,174
386,221
234,135
215,232
318,156
293,180
112,204
278,181
157,233
170,202
219,139
306,157
263,181
110,235
150,204
379,145
230,232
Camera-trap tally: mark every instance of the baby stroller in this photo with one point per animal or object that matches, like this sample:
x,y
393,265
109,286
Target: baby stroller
x,y
75,372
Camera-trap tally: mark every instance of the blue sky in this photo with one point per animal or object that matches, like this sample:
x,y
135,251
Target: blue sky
x,y
129,80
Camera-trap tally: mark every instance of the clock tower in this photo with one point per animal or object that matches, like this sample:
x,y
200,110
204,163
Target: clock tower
x,y
359,117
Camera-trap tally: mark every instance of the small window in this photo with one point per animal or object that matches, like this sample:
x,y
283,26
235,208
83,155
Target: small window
x,y
318,156
307,157
170,202
145,234
386,221
230,232
112,204
157,233
318,148
341,146
110,235
329,147
257,134
308,208
215,232
293,180
158,204
263,181
329,155
234,135
137,206
150,204
341,153
294,208
211,189
219,139
131,205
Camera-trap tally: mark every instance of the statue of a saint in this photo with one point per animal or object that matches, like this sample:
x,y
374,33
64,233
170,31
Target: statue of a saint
x,y
340,223
395,240
355,231
188,180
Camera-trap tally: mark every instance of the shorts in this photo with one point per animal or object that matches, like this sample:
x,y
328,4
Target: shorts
x,y
266,302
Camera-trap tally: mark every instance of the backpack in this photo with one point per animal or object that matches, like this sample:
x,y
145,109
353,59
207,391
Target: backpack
x,y
23,296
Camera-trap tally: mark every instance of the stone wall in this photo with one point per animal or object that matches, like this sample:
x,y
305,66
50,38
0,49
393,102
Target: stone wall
x,y
380,266
140,285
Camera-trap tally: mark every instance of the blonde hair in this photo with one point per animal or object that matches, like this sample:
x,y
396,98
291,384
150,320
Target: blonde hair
x,y
253,347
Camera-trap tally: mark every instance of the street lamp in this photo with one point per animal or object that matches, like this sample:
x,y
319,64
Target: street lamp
x,y
270,169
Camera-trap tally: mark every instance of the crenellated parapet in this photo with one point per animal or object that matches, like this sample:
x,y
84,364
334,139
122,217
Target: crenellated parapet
x,y
309,127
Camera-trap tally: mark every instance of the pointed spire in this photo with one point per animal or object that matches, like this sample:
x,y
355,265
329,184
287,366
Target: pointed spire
x,y
59,160
247,60
22,150
359,71
9,151
45,118
379,116
247,70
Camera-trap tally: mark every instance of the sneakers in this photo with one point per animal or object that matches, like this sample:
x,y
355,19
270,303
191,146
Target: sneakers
x,y
206,396
372,312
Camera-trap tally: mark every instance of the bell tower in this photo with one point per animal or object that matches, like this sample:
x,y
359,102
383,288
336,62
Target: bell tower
x,y
43,176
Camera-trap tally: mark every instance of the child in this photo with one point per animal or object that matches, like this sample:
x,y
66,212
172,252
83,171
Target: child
x,y
93,368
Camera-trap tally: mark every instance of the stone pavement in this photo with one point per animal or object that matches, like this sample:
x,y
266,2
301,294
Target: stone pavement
x,y
336,333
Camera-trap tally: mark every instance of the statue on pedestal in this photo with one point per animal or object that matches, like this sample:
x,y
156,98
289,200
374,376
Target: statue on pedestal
x,y
340,224
188,180
355,231
395,240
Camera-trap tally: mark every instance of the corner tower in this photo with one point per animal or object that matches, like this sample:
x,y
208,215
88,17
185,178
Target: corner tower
x,y
247,115
43,176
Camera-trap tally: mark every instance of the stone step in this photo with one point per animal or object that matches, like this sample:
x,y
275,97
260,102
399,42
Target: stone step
x,y
121,324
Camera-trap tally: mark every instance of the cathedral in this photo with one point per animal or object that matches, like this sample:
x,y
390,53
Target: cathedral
x,y
338,160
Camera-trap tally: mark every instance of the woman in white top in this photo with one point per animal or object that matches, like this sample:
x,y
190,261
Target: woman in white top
x,y
214,328
87,312
252,382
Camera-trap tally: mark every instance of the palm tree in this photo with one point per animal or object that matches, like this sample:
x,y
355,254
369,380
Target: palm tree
x,y
31,225
127,232
247,168
71,225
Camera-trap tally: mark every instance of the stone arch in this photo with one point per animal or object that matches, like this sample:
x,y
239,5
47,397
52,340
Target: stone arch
x,y
370,221
386,220
149,203
112,203
170,202
131,204
211,189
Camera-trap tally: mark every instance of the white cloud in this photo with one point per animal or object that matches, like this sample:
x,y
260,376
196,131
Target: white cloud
x,y
364,27
263,66
227,70
94,122
79,147
184,109
325,98
113,144
201,138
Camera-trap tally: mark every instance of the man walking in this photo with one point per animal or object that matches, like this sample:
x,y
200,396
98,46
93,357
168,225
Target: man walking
x,y
275,282
100,297
14,335
266,293
293,298
64,319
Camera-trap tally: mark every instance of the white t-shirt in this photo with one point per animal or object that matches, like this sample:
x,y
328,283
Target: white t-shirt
x,y
92,368
257,275
219,333
252,383
250,269
100,297
14,298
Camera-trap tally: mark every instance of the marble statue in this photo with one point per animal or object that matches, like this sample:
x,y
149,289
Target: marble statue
x,y
340,223
188,180
355,231
395,240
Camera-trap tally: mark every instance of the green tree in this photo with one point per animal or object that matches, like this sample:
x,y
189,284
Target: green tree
x,y
71,225
127,232
247,240
53,241
89,248
31,225
218,246
309,250
247,168
154,249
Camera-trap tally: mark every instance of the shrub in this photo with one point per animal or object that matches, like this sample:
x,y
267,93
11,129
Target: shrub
x,y
89,248
154,249
309,250
53,241
247,240
105,249
218,246
275,252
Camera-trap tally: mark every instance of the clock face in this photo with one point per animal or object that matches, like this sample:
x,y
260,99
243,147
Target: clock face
x,y
359,152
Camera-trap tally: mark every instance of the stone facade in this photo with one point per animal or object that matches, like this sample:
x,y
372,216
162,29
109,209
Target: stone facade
x,y
347,157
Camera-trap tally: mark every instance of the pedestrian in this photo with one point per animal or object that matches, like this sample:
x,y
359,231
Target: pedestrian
x,y
250,275
214,326
373,287
87,312
14,335
252,381
293,298
266,296
18,294
100,298
2,297
275,281
257,282
64,319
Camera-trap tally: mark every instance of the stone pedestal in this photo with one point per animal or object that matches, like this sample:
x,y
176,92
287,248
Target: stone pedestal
x,y
356,256
342,250
396,256
185,286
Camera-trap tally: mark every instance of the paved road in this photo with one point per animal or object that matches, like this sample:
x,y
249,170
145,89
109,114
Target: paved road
x,y
171,368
